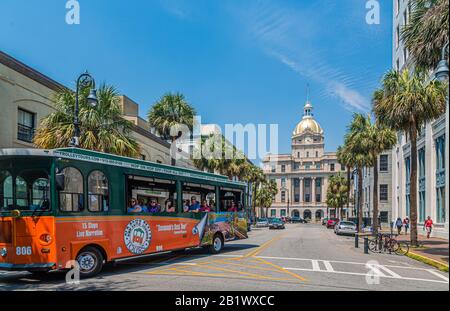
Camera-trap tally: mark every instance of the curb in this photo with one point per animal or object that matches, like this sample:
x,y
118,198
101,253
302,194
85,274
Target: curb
x,y
429,261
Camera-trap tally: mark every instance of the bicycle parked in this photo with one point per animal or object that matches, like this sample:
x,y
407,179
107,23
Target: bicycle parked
x,y
387,243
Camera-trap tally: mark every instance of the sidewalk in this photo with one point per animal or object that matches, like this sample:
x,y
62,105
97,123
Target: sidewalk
x,y
433,248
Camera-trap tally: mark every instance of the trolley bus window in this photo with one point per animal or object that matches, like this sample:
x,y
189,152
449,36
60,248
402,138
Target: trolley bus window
x,y
151,195
198,198
6,191
98,192
231,200
71,197
33,190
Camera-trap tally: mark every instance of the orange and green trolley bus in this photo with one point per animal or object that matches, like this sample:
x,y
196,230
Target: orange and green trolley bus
x,y
61,205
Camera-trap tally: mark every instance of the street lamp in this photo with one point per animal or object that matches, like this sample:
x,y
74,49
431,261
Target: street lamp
x,y
84,79
442,72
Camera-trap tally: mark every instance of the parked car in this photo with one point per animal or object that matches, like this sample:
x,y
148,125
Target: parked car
x,y
324,221
276,223
332,222
298,220
345,227
262,222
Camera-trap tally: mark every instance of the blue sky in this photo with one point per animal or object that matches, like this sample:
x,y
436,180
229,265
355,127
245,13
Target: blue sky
x,y
236,61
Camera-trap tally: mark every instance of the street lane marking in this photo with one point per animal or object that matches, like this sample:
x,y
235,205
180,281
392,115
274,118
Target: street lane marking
x,y
376,270
364,274
263,246
315,265
438,274
338,261
392,273
328,266
282,269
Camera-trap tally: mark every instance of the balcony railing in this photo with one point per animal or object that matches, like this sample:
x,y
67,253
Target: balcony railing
x,y
25,133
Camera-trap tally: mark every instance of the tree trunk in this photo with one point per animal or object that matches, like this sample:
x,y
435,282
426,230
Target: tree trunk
x,y
375,195
360,190
348,189
413,187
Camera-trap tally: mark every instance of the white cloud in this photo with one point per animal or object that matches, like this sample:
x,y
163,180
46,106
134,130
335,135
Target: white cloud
x,y
287,35
352,99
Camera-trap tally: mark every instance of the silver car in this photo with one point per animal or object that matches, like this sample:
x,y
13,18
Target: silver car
x,y
345,227
262,223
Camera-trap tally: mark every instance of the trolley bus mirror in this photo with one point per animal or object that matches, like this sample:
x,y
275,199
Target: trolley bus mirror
x,y
60,181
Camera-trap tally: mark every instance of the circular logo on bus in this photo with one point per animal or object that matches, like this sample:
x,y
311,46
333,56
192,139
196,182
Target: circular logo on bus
x,y
137,236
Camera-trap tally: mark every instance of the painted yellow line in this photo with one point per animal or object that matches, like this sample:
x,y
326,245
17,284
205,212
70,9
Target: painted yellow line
x,y
189,273
263,247
256,276
247,266
281,269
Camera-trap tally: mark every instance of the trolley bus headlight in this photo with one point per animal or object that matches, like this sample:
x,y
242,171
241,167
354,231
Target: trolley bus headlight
x,y
4,252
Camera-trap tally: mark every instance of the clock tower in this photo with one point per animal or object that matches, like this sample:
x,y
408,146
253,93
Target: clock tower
x,y
308,137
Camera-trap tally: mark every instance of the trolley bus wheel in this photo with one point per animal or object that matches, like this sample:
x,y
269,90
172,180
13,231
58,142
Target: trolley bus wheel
x,y
216,245
90,260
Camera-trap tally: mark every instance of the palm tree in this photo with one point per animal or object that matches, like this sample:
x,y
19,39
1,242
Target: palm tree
x,y
337,193
357,155
344,157
375,139
266,193
255,176
427,31
406,102
102,127
169,115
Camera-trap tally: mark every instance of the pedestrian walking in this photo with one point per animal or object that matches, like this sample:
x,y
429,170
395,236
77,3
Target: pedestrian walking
x,y
399,225
406,224
428,225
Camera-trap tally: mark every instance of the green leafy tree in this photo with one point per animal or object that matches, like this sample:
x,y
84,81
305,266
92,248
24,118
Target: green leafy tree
x,y
406,102
337,193
375,140
357,156
102,127
170,116
427,31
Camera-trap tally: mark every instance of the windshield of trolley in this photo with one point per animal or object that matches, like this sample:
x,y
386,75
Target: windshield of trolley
x,y
24,185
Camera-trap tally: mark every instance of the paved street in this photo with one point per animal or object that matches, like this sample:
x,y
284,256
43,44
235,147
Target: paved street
x,y
302,257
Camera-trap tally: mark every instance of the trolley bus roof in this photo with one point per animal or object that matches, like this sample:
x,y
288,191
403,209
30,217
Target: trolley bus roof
x,y
120,161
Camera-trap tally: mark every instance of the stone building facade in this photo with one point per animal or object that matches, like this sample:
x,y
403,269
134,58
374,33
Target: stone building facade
x,y
25,99
302,176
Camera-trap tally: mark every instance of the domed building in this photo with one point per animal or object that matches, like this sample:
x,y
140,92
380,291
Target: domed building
x,y
302,176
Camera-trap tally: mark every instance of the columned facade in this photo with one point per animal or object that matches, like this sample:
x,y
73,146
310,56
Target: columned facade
x,y
302,176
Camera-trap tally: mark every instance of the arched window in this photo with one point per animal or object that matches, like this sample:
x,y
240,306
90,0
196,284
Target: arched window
x,y
71,197
33,190
41,194
6,191
98,192
21,193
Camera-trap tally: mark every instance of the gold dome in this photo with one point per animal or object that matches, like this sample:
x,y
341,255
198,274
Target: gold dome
x,y
308,124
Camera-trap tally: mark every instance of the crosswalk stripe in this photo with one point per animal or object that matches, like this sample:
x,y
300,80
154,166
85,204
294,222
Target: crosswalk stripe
x,y
392,273
315,265
438,274
328,266
376,270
